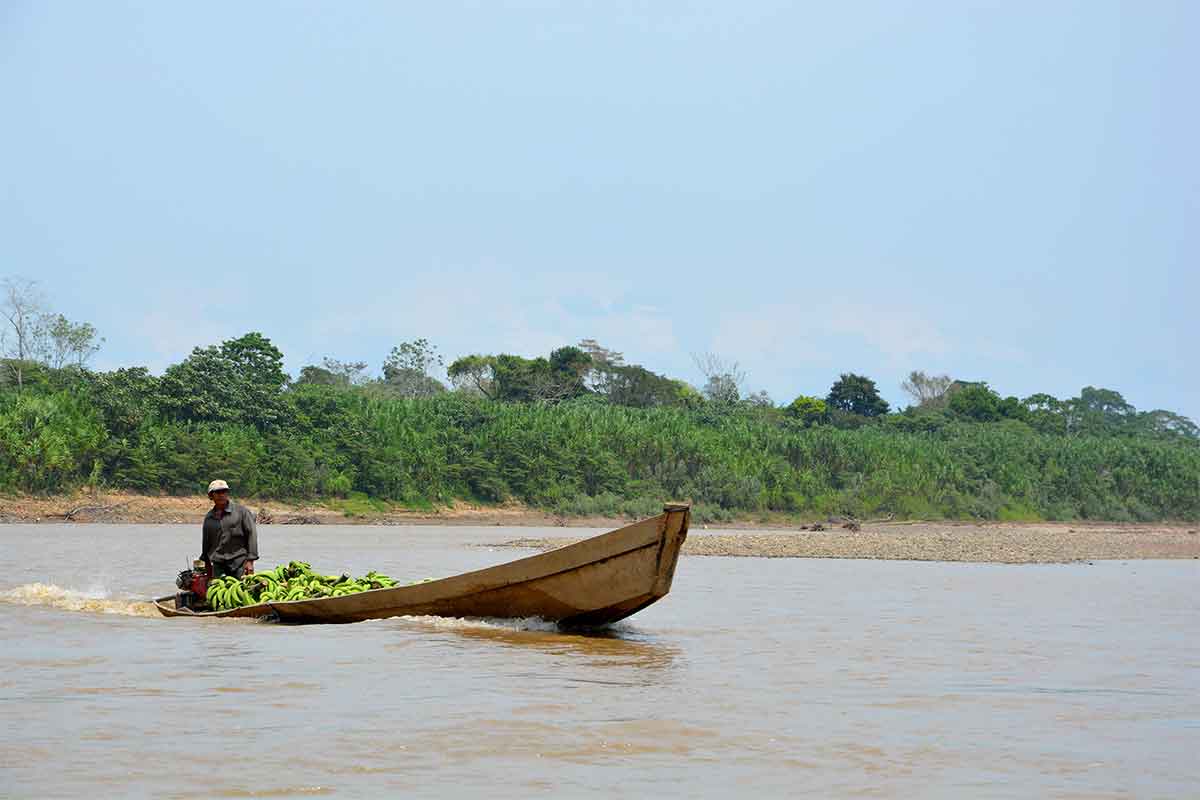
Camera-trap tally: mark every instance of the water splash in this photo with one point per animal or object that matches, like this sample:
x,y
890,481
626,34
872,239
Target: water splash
x,y
96,601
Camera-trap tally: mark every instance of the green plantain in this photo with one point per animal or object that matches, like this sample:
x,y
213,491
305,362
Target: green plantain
x,y
295,580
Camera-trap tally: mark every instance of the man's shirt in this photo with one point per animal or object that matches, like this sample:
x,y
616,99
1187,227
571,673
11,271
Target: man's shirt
x,y
231,535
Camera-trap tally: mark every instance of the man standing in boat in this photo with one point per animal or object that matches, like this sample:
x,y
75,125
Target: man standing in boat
x,y
230,542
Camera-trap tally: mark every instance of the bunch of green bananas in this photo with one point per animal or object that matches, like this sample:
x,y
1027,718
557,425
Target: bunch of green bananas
x,y
225,593
295,580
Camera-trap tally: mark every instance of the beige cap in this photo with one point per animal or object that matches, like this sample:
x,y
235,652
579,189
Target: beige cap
x,y
217,485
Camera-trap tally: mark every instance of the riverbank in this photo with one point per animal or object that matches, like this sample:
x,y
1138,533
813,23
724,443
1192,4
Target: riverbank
x,y
129,508
989,542
139,509
761,536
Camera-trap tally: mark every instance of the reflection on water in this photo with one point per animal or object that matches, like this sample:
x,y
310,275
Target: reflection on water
x,y
594,743
620,646
767,677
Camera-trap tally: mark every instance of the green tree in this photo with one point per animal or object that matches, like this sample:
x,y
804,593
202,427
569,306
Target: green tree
x,y
332,372
1106,403
686,395
638,387
975,401
1099,411
475,374
569,368
1043,402
1012,408
807,411
856,394
516,379
1045,413
125,399
312,375
70,342
406,369
254,357
1168,423
239,381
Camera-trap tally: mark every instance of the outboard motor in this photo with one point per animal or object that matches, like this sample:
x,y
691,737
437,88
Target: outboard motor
x,y
193,585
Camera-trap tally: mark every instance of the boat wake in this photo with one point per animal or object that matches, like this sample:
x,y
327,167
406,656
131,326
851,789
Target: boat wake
x,y
94,602
498,623
502,624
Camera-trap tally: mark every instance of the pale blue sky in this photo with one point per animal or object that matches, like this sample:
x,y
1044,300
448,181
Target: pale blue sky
x,y
1001,191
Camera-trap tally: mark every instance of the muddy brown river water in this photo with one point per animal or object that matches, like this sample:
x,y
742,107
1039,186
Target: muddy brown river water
x,y
760,677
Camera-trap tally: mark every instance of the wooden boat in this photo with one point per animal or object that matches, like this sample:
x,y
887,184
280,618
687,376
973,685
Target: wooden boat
x,y
588,584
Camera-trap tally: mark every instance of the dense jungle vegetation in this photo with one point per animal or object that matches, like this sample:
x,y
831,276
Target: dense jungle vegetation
x,y
581,432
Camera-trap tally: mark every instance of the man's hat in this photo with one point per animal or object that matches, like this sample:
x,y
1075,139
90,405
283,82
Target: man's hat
x,y
217,485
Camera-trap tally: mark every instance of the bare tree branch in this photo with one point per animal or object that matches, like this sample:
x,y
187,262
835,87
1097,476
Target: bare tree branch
x,y
927,390
23,311
724,378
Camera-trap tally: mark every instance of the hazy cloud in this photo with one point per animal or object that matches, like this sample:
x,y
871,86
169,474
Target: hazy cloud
x,y
804,332
496,309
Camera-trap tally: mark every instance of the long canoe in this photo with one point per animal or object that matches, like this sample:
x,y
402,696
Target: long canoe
x,y
588,584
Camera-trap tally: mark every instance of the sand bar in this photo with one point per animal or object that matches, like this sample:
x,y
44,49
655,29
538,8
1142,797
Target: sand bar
x,y
1010,543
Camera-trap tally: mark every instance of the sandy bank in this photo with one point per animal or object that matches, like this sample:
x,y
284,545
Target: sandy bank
x,y
1010,543
780,538
126,508
139,509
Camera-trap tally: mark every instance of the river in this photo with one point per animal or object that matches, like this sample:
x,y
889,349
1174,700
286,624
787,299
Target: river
x,y
762,677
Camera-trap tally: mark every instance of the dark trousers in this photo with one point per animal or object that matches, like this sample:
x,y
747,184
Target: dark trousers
x,y
234,567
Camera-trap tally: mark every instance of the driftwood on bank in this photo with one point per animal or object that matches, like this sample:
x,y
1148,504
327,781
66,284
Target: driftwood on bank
x,y
300,519
90,511
848,523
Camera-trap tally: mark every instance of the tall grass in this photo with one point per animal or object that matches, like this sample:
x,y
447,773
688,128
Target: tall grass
x,y
589,457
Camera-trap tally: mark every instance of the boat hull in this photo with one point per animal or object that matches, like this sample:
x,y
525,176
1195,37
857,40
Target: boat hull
x,y
588,584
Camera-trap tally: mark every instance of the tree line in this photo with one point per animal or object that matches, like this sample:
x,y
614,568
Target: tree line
x,y
582,431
